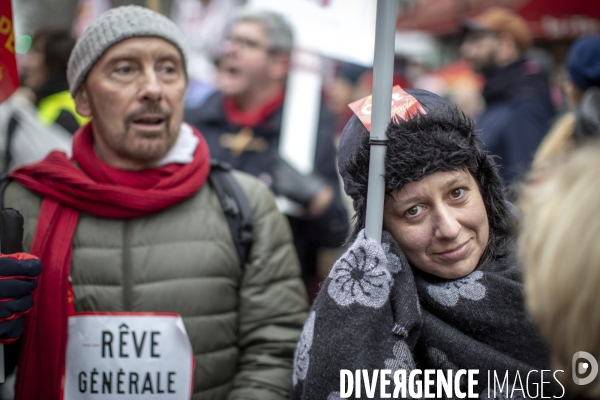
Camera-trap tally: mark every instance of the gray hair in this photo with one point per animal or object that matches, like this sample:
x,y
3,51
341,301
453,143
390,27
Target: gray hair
x,y
279,32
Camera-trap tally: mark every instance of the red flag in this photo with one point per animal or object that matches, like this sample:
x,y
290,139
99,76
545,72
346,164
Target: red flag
x,y
9,78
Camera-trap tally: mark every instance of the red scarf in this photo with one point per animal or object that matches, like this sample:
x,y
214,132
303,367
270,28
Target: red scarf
x,y
254,117
84,183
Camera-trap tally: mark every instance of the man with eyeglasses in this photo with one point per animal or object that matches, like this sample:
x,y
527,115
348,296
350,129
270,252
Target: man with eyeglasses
x,y
242,124
517,94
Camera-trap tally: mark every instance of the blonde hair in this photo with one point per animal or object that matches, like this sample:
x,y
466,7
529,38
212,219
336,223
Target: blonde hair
x,y
560,251
557,143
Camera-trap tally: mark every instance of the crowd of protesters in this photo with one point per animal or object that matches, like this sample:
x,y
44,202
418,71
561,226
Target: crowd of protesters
x,y
151,202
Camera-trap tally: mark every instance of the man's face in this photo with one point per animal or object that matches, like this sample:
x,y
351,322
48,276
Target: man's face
x,y
247,62
135,94
480,48
33,66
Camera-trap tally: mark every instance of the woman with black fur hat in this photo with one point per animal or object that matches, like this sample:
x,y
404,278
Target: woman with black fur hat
x,y
442,291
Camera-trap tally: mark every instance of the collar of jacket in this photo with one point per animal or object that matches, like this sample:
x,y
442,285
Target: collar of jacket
x,y
522,76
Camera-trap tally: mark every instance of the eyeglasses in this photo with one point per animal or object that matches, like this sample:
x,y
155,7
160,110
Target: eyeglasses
x,y
247,44
476,36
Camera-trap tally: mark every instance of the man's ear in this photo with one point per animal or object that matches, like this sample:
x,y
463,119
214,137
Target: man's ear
x,y
280,66
82,101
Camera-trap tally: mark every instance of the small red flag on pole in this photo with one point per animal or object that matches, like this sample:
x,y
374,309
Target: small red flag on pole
x,y
9,78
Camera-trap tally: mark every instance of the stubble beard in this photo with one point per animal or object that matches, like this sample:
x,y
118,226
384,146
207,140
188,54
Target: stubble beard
x,y
146,153
142,147
487,64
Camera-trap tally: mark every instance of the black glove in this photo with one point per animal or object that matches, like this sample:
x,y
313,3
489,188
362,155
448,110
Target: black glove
x,y
292,184
18,280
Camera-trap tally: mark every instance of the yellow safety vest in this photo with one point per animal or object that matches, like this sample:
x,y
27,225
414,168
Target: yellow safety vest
x,y
50,108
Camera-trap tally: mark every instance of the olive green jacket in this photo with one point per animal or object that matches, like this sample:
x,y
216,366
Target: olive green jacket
x,y
243,323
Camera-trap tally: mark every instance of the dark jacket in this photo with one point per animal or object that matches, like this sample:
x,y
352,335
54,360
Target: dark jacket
x,y
328,229
517,116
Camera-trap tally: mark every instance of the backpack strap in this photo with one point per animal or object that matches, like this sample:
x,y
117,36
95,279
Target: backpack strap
x,y
4,181
10,133
235,205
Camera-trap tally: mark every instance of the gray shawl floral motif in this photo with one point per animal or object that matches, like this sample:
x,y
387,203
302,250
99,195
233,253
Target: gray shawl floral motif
x,y
376,312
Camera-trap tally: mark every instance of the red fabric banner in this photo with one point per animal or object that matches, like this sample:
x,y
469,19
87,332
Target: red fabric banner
x,y
9,78
547,19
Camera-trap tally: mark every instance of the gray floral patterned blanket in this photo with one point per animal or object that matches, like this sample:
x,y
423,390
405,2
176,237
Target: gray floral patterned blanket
x,y
375,312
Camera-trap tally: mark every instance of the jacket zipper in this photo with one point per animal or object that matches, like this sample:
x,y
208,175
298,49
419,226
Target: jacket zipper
x,y
127,268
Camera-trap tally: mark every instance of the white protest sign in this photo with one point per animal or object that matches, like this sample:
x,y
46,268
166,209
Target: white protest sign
x,y
301,111
339,29
128,356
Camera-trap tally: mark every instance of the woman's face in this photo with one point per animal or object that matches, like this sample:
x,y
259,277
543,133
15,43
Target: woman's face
x,y
440,223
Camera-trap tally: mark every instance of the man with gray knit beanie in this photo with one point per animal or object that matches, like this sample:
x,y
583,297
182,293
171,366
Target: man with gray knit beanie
x,y
144,290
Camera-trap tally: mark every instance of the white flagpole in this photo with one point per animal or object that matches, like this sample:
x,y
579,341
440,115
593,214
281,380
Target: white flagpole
x,y
383,69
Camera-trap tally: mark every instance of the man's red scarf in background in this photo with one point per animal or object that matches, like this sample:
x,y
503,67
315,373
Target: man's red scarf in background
x,y
69,186
253,117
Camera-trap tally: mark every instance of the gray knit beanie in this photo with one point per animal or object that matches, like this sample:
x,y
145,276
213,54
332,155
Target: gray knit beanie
x,y
113,27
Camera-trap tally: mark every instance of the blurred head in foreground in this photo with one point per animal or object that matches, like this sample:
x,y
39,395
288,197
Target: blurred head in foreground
x,y
559,250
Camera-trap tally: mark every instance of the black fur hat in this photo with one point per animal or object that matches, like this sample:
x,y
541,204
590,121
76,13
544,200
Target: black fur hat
x,y
443,139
